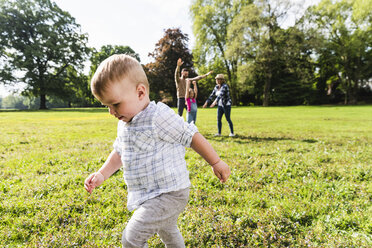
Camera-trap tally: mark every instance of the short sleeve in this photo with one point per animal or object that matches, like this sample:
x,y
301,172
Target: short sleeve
x,y
171,127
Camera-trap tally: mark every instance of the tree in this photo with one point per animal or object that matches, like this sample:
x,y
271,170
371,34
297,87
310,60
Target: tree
x,y
106,51
347,32
13,102
211,19
170,47
76,91
269,56
39,42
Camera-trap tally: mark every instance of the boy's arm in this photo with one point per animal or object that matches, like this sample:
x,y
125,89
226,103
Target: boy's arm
x,y
205,149
112,164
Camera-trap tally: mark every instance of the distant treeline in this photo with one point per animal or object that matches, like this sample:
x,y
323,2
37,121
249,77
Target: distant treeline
x,y
324,58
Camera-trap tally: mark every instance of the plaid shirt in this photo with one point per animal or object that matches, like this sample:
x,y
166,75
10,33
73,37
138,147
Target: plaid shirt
x,y
223,97
152,151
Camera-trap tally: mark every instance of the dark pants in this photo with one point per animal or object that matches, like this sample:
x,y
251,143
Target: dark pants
x,y
227,111
181,105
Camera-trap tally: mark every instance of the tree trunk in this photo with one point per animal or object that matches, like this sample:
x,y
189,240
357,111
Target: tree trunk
x,y
43,101
353,98
267,89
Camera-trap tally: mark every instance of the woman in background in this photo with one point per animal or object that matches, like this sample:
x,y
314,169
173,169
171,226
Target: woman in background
x,y
223,101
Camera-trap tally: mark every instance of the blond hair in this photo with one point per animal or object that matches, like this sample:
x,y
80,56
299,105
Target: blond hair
x,y
114,69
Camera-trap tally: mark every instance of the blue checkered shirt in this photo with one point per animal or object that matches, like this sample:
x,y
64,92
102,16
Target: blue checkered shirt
x,y
152,151
223,95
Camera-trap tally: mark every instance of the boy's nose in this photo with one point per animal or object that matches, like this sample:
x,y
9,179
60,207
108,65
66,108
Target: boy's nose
x,y
112,111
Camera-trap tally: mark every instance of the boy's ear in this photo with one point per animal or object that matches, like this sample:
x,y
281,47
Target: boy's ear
x,y
141,91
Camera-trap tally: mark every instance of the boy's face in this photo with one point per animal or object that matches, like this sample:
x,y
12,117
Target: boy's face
x,y
124,99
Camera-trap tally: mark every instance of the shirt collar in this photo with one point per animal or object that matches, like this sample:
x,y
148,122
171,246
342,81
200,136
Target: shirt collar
x,y
141,114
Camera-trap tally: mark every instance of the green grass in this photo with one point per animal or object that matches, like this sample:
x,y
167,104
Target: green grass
x,y
301,177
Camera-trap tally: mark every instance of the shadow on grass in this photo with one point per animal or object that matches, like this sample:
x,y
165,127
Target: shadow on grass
x,y
241,139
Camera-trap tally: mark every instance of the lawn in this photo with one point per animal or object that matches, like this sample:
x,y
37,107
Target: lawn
x,y
301,177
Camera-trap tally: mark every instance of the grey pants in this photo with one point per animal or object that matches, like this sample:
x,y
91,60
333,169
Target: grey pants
x,y
157,215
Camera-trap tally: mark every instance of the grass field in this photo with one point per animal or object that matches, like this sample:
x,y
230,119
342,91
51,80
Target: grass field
x,y
301,177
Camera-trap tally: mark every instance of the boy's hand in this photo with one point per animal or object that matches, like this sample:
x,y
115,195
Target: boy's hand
x,y
221,170
94,180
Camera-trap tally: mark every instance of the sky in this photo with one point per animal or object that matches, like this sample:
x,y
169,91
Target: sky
x,y
139,24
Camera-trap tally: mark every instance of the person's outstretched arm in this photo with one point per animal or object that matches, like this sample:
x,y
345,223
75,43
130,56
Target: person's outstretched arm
x,y
210,97
112,164
205,149
201,77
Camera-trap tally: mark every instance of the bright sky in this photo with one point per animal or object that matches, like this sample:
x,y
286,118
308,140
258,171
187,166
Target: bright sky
x,y
139,24
135,23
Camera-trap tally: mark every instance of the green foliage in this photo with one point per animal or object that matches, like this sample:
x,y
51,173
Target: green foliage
x,y
23,102
13,102
301,177
274,63
106,51
211,20
262,59
39,41
206,85
345,27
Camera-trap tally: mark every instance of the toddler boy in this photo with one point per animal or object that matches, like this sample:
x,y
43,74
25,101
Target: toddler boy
x,y
150,146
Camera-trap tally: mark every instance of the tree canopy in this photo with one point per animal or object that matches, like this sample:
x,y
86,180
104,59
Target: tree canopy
x,y
346,32
39,41
324,57
168,49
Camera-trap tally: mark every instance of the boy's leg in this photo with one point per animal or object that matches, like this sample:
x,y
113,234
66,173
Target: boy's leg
x,y
172,237
160,215
135,235
169,232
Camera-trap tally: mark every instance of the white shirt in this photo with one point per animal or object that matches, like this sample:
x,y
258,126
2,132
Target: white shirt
x,y
152,151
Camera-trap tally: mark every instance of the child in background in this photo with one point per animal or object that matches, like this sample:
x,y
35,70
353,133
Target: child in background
x,y
191,104
150,147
